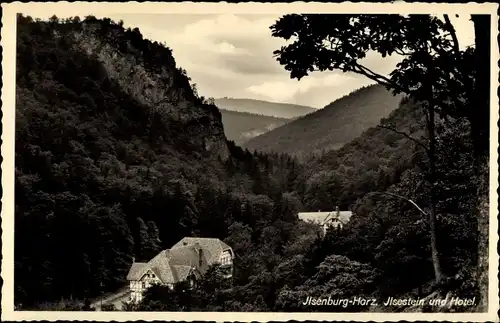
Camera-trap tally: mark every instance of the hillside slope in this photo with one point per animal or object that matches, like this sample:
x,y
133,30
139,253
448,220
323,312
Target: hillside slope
x,y
274,109
387,232
242,126
330,127
116,158
106,126
371,162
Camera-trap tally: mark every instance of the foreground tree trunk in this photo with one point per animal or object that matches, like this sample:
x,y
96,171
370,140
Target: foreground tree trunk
x,y
436,262
480,117
483,214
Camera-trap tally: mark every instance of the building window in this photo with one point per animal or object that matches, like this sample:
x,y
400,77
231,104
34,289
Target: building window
x,y
225,259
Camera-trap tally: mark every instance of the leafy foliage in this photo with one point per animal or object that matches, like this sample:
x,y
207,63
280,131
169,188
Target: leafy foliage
x,y
428,45
434,72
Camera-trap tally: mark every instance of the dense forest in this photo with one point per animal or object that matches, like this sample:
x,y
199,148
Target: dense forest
x,y
104,176
273,109
331,127
242,126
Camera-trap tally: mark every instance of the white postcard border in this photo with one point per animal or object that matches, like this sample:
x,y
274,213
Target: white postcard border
x,y
8,43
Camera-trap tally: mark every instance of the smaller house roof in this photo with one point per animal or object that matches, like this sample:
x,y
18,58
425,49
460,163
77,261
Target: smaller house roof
x,y
322,217
159,265
137,270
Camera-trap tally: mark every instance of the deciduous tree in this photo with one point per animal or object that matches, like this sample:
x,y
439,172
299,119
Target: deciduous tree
x,y
434,71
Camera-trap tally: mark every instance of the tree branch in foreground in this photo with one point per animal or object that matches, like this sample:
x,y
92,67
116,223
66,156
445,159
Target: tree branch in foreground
x,y
400,197
363,70
418,142
453,33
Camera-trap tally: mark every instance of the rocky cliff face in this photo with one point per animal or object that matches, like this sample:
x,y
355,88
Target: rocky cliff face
x,y
165,89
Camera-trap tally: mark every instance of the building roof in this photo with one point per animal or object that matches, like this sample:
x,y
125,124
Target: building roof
x,y
211,246
137,270
322,217
175,264
182,272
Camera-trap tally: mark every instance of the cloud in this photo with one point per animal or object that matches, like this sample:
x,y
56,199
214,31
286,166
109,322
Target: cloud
x,y
241,43
251,65
231,26
320,88
232,55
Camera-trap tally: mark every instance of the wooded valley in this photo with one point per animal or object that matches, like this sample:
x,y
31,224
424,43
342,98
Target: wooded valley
x,y
111,167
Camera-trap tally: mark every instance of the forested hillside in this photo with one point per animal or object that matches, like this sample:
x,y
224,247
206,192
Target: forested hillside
x,y
331,127
372,162
383,252
117,157
273,109
242,126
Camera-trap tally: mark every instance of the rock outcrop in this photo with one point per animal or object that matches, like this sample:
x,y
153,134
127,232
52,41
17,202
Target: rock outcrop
x,y
164,89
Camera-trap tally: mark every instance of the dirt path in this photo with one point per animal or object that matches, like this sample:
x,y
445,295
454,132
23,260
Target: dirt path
x,y
116,299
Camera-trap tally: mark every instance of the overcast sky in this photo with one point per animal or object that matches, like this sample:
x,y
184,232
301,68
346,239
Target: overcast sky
x,y
231,55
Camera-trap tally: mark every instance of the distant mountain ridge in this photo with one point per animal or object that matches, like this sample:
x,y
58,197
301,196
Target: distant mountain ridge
x,y
242,126
274,109
331,127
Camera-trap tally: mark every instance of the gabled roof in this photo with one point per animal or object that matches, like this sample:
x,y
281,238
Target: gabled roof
x,y
137,270
213,246
182,272
322,217
188,256
175,264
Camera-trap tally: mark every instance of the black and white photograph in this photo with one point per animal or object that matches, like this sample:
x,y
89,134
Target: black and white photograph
x,y
250,162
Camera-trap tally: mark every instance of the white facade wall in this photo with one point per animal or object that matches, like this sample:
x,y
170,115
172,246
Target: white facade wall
x,y
137,287
226,260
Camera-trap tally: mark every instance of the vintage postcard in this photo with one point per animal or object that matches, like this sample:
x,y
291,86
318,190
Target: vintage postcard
x,y
249,162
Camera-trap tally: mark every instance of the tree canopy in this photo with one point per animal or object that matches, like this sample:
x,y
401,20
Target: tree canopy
x,y
427,44
434,72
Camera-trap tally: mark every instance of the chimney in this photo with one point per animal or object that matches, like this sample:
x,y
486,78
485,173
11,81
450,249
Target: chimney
x,y
338,211
133,259
200,254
